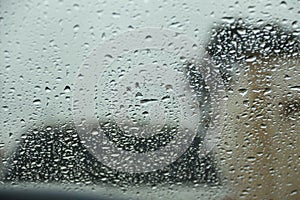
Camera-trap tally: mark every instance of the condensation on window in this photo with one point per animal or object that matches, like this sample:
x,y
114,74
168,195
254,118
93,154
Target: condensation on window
x,y
150,99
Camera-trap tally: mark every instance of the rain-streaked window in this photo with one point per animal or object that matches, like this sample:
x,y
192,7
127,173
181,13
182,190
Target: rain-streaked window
x,y
150,99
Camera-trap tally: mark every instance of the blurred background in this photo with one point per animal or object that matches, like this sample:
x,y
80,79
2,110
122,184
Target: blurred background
x,y
44,43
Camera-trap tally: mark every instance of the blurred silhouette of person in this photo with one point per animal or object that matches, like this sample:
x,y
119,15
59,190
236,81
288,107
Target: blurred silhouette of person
x,y
259,150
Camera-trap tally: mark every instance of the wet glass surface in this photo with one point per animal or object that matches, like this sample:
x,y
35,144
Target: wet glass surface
x,y
151,99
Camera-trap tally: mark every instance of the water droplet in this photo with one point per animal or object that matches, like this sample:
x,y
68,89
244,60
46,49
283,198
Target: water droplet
x,y
76,28
76,6
67,89
94,132
295,88
148,38
37,102
116,15
228,19
251,59
283,3
243,91
47,89
241,31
